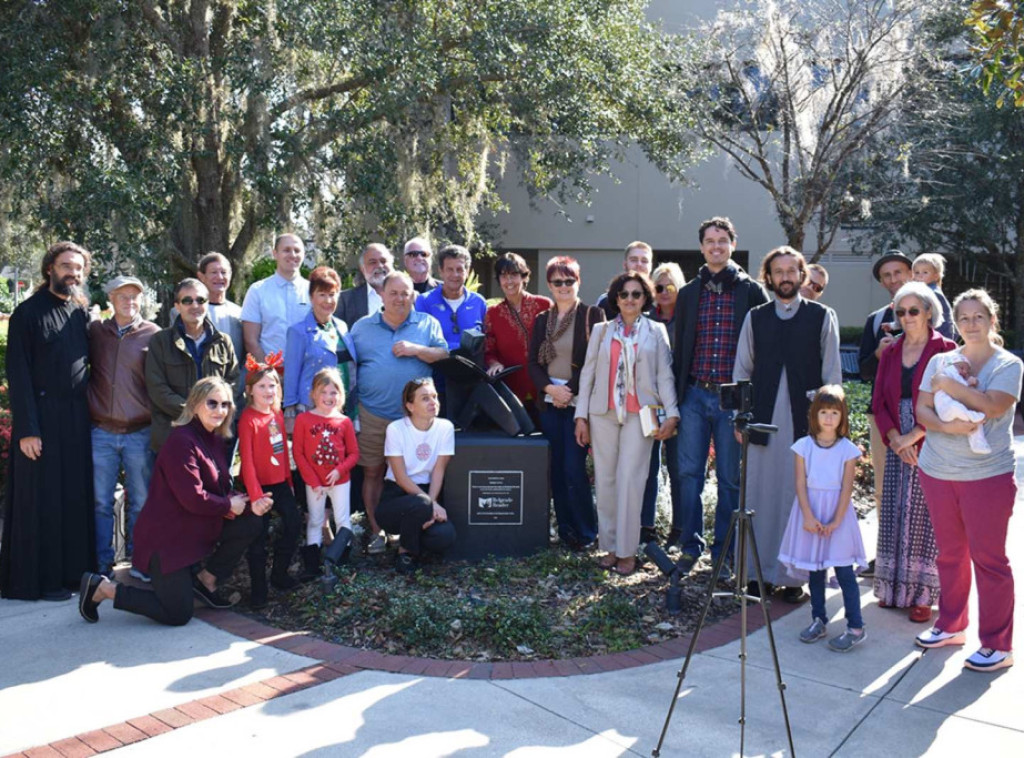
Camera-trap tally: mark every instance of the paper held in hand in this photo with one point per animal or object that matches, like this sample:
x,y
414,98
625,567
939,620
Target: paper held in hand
x,y
651,419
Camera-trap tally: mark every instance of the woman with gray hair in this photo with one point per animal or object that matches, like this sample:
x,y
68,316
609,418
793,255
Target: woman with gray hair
x,y
905,572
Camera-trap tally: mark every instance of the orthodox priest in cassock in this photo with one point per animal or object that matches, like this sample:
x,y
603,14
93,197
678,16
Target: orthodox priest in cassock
x,y
48,514
788,349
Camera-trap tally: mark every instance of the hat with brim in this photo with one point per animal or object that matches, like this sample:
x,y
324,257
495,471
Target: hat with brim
x,y
887,256
123,281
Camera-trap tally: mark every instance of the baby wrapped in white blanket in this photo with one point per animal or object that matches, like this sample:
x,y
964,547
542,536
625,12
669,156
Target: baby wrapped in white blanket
x,y
956,366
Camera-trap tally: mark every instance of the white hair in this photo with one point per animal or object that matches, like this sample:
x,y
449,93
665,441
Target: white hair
x,y
924,293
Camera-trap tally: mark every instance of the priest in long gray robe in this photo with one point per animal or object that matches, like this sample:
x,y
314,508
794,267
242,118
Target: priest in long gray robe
x,y
788,348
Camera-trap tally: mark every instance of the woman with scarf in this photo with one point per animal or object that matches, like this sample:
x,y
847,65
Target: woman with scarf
x,y
558,346
626,378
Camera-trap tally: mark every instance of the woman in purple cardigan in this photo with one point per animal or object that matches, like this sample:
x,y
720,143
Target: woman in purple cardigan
x,y
191,514
905,572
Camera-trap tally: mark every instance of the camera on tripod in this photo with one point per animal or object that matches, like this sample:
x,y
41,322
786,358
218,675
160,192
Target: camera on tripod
x,y
738,396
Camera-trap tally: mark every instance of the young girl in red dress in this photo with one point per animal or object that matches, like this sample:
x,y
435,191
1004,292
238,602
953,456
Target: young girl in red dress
x,y
325,449
263,449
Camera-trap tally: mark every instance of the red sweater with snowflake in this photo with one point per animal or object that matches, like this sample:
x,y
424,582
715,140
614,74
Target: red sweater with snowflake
x,y
263,448
323,444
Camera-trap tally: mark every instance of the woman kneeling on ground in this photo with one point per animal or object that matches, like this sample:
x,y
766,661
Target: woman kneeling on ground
x,y
418,448
191,514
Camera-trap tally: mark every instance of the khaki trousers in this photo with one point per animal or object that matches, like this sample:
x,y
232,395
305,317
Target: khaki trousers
x,y
621,458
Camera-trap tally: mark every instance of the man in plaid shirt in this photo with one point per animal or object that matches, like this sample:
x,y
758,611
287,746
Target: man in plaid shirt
x,y
709,313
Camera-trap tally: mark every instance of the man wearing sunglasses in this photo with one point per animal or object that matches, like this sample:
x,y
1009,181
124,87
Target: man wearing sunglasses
x,y
418,259
638,257
817,281
180,355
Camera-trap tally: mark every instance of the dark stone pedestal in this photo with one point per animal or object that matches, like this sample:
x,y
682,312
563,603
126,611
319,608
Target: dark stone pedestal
x,y
496,495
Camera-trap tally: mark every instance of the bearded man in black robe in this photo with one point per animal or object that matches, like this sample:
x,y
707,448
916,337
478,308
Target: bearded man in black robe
x,y
48,516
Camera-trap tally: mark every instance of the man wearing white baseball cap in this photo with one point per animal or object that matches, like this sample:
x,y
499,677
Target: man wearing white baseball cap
x,y
119,408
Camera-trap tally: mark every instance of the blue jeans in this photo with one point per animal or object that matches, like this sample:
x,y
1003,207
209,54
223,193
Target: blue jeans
x,y
648,514
851,595
111,452
700,421
570,487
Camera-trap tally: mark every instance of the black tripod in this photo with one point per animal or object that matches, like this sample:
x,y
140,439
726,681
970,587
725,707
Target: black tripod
x,y
740,526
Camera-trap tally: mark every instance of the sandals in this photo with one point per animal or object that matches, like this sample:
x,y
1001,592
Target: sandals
x,y
607,561
625,566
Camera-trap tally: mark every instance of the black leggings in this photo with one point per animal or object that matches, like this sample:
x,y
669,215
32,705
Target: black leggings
x,y
404,514
169,601
287,537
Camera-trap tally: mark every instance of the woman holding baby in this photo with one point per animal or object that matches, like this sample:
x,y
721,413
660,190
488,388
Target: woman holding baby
x,y
905,572
970,494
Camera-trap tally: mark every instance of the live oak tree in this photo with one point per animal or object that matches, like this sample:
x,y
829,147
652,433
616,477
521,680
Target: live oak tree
x,y
791,90
998,45
157,130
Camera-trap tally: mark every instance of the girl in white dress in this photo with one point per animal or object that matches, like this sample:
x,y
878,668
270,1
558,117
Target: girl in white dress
x,y
822,531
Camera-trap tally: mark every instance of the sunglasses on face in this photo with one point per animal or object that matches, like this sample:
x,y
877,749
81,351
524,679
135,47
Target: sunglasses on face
x,y
901,312
418,253
816,287
187,300
627,294
561,282
213,405
662,288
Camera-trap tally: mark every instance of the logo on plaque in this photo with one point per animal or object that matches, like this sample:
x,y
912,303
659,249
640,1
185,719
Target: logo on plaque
x,y
495,498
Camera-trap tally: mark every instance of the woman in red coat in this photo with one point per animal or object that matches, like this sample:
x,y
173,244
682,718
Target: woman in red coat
x,y
905,572
193,529
508,326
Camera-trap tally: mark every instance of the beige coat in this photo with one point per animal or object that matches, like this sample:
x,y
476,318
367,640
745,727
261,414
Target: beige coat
x,y
655,383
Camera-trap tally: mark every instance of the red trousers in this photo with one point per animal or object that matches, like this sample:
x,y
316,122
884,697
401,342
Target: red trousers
x,y
970,520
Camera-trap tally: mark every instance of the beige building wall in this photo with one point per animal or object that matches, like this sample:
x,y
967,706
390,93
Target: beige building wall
x,y
640,203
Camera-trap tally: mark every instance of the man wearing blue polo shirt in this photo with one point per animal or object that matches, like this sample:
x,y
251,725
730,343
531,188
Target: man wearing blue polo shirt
x,y
455,307
392,347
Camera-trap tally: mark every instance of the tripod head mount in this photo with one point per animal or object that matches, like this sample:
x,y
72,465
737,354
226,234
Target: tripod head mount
x,y
744,423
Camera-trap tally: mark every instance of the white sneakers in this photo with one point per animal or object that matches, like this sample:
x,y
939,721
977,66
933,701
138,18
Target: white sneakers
x,y
935,637
985,659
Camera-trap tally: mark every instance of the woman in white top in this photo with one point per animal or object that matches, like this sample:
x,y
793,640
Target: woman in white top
x,y
417,448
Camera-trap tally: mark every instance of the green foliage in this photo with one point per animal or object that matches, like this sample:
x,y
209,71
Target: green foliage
x,y
153,138
997,34
850,335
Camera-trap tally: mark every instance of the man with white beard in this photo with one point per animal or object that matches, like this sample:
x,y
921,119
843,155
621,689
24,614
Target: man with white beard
x,y
375,263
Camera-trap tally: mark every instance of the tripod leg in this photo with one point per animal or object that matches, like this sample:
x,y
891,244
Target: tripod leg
x,y
696,632
771,643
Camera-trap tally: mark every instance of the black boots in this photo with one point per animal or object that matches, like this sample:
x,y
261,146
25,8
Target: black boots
x,y
310,564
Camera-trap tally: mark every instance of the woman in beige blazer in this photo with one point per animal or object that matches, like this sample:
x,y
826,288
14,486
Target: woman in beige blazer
x,y
627,369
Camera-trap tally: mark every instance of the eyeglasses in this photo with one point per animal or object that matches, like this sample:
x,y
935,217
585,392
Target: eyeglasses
x,y
187,300
561,282
418,253
901,312
816,287
661,288
626,294
455,323
224,405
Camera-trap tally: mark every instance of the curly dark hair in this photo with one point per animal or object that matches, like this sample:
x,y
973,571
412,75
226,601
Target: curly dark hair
x,y
616,285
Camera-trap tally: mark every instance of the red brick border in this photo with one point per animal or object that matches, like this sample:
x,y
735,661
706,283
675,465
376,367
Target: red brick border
x,y
335,661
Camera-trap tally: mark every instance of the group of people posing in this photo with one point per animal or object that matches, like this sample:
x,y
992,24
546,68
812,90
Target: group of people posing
x,y
634,378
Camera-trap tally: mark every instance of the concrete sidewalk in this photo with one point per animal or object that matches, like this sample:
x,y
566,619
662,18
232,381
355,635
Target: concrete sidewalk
x,y
125,684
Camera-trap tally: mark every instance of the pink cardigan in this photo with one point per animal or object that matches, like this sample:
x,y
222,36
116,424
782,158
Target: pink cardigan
x,y
886,397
